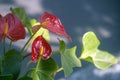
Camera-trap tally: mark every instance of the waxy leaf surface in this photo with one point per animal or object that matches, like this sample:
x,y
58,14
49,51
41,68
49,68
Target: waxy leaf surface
x,y
11,63
45,70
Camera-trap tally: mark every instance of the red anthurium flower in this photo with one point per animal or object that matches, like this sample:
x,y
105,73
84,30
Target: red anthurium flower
x,y
52,23
11,27
40,47
1,27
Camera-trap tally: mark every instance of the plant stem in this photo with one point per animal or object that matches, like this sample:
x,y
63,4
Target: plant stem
x,y
60,69
26,66
36,69
4,45
10,45
28,42
26,55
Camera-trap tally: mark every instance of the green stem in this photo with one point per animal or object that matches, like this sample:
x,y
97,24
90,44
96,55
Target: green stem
x,y
22,50
36,69
26,43
10,45
26,55
26,66
60,69
4,45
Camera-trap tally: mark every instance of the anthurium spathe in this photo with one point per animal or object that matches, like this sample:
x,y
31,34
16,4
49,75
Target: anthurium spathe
x,y
53,23
40,48
11,27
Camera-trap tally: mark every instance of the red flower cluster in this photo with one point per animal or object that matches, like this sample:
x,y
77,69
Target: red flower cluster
x,y
11,27
40,47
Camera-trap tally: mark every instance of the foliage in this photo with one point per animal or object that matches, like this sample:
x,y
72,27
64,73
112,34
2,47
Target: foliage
x,y
41,53
101,59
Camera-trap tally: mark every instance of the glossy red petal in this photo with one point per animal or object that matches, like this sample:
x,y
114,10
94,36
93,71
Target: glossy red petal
x,y
2,24
53,24
37,44
16,29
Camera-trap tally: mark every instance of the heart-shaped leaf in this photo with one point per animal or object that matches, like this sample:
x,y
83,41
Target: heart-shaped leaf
x,y
11,63
44,70
25,78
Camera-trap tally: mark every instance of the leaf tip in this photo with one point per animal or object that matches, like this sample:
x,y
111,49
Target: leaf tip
x,y
116,60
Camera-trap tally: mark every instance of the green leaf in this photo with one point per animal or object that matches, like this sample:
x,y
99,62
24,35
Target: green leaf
x,y
20,12
11,63
42,31
44,76
25,78
0,64
48,66
68,59
45,70
101,59
90,41
62,46
34,22
45,33
6,77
